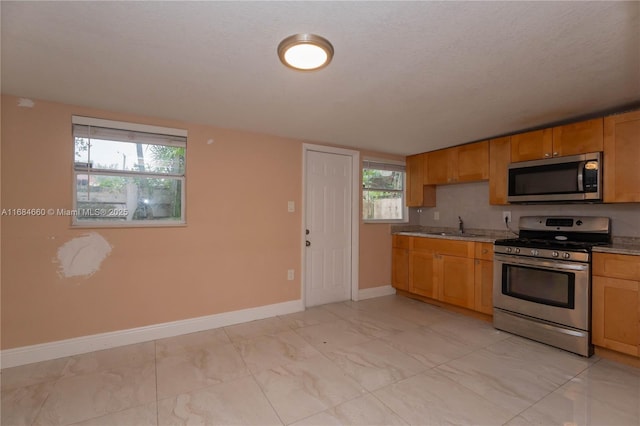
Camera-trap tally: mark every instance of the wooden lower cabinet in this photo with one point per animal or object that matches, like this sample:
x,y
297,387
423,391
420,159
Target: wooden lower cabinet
x,y
400,262
439,269
616,314
454,278
400,268
616,302
483,286
484,278
421,274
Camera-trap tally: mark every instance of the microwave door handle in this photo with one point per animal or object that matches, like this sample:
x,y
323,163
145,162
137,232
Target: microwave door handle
x,y
581,176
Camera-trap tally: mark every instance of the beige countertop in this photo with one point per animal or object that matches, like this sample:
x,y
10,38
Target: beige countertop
x,y
464,237
621,246
477,235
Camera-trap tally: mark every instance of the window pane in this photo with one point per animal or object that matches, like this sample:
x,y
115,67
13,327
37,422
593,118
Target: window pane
x,y
382,179
126,156
127,199
382,205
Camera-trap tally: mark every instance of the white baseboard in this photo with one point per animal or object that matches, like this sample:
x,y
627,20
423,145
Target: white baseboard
x,y
79,345
368,293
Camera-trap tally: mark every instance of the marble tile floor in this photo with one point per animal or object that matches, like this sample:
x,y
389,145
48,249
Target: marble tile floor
x,y
383,361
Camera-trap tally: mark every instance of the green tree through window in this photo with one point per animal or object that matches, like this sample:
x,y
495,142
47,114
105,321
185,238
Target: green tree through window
x,y
383,191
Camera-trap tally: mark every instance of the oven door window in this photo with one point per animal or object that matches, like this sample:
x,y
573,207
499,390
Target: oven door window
x,y
548,287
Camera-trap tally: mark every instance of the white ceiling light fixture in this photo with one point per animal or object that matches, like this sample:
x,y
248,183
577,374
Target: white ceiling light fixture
x,y
305,52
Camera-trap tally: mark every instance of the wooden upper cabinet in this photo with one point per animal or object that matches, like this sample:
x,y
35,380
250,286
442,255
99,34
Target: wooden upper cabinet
x,y
418,195
465,163
499,159
559,141
437,166
578,138
622,158
532,145
472,162
414,180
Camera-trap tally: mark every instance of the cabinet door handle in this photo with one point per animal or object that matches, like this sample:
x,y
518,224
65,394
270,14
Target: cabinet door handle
x,y
485,251
547,155
555,154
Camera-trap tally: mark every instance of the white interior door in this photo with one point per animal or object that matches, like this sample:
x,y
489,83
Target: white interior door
x,y
328,220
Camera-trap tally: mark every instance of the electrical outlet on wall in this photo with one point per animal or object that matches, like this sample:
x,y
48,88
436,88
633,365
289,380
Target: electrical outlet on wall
x,y
506,216
436,215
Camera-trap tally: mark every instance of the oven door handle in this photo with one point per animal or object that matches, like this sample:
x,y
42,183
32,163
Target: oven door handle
x,y
542,264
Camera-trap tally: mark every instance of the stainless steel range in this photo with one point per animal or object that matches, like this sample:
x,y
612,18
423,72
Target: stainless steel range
x,y
542,280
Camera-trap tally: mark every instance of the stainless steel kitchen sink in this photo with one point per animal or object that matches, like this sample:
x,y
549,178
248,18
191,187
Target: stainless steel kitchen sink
x,y
452,234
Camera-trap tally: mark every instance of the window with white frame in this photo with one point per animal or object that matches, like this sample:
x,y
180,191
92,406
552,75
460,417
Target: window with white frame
x,y
383,191
127,174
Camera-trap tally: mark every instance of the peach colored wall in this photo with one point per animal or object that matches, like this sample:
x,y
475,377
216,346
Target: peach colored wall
x,y
375,255
375,242
233,254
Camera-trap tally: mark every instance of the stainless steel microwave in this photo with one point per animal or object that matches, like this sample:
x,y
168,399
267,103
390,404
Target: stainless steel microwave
x,y
575,178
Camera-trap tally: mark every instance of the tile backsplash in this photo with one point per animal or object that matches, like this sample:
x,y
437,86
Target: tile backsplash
x,y
471,202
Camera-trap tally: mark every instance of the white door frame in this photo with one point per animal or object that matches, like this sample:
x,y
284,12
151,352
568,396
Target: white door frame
x,y
355,213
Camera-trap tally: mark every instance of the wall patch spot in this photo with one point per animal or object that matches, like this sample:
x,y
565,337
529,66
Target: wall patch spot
x,y
26,103
210,141
82,256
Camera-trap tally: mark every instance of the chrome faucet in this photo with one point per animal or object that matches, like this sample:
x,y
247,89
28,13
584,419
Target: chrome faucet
x,y
460,225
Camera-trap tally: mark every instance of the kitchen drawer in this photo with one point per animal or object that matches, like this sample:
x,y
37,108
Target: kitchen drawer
x,y
484,251
401,241
616,266
446,247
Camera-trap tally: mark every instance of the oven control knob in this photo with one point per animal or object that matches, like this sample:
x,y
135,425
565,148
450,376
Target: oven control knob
x,y
509,249
517,250
566,255
555,254
534,252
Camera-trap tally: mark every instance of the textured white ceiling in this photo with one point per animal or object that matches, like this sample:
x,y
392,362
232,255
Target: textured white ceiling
x,y
407,77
